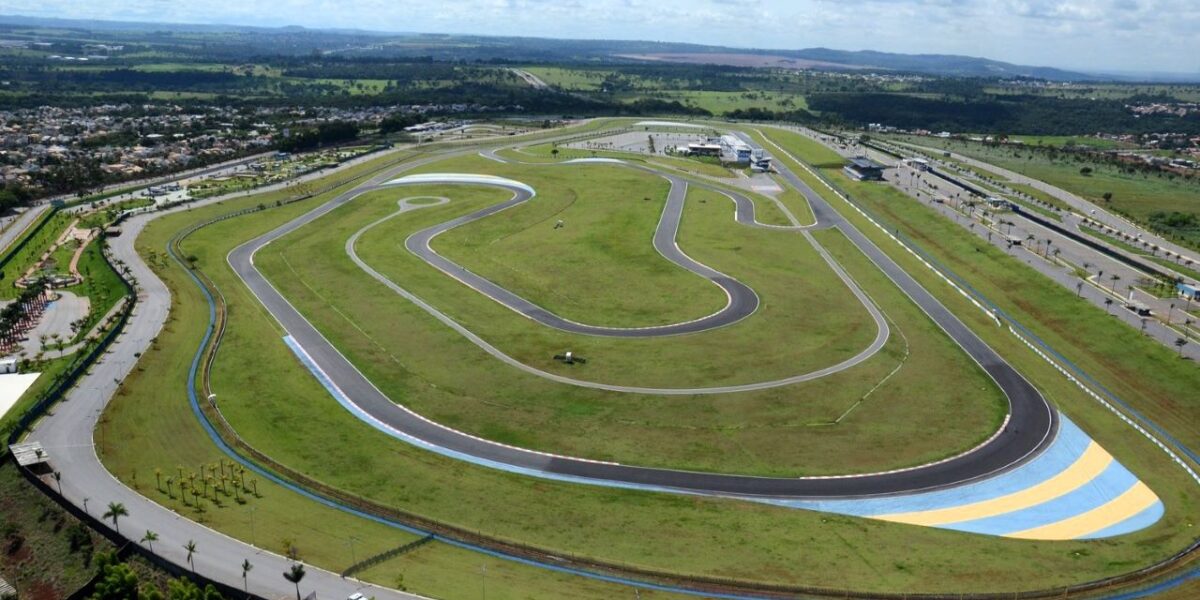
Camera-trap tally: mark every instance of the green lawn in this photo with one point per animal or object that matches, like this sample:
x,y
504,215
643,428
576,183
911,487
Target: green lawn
x,y
40,239
545,153
719,103
610,214
475,395
293,418
1059,141
1079,330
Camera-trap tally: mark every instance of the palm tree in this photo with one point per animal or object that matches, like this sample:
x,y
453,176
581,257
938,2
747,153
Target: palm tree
x,y
1114,278
246,567
1180,343
149,540
294,576
1108,304
115,511
191,550
58,480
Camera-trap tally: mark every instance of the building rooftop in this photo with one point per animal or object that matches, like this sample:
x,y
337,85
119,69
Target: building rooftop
x,y
27,454
862,162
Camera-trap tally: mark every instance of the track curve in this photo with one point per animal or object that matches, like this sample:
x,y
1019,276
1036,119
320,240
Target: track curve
x,y
1028,429
741,301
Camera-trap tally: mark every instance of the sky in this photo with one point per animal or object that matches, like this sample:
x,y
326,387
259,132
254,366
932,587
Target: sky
x,y
1091,35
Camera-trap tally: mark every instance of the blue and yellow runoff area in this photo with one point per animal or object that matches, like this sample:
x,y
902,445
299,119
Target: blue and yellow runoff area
x,y
1074,490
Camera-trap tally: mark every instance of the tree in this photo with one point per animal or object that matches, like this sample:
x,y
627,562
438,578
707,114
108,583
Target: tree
x,y
58,480
1180,343
246,567
115,511
184,589
116,581
190,546
1114,278
149,540
1108,302
295,575
1107,196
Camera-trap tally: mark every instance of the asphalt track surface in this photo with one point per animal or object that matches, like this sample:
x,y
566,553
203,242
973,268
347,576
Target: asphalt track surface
x,y
741,300
744,210
1029,428
68,430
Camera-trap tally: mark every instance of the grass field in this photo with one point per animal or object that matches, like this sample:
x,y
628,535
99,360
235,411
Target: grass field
x,y
610,216
719,103
759,541
1060,141
716,102
713,173
545,153
151,412
292,417
1079,330
476,396
39,241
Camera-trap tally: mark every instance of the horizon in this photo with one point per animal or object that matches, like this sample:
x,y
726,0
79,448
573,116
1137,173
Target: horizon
x,y
1150,37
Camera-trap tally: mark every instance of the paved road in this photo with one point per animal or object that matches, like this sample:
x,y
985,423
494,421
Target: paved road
x,y
19,224
1101,288
1084,206
1029,428
533,80
67,435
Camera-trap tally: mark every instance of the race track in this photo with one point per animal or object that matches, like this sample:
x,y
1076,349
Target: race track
x,y
1028,429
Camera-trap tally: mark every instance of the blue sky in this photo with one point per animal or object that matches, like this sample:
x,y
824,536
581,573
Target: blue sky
x,y
1097,35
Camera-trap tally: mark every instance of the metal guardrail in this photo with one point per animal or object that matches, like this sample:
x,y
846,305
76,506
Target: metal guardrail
x,y
385,556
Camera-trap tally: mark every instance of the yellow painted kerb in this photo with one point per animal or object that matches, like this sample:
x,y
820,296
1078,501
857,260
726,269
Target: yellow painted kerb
x,y
1091,463
1131,502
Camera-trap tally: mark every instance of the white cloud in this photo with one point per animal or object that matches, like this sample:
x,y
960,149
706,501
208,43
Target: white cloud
x,y
1083,34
